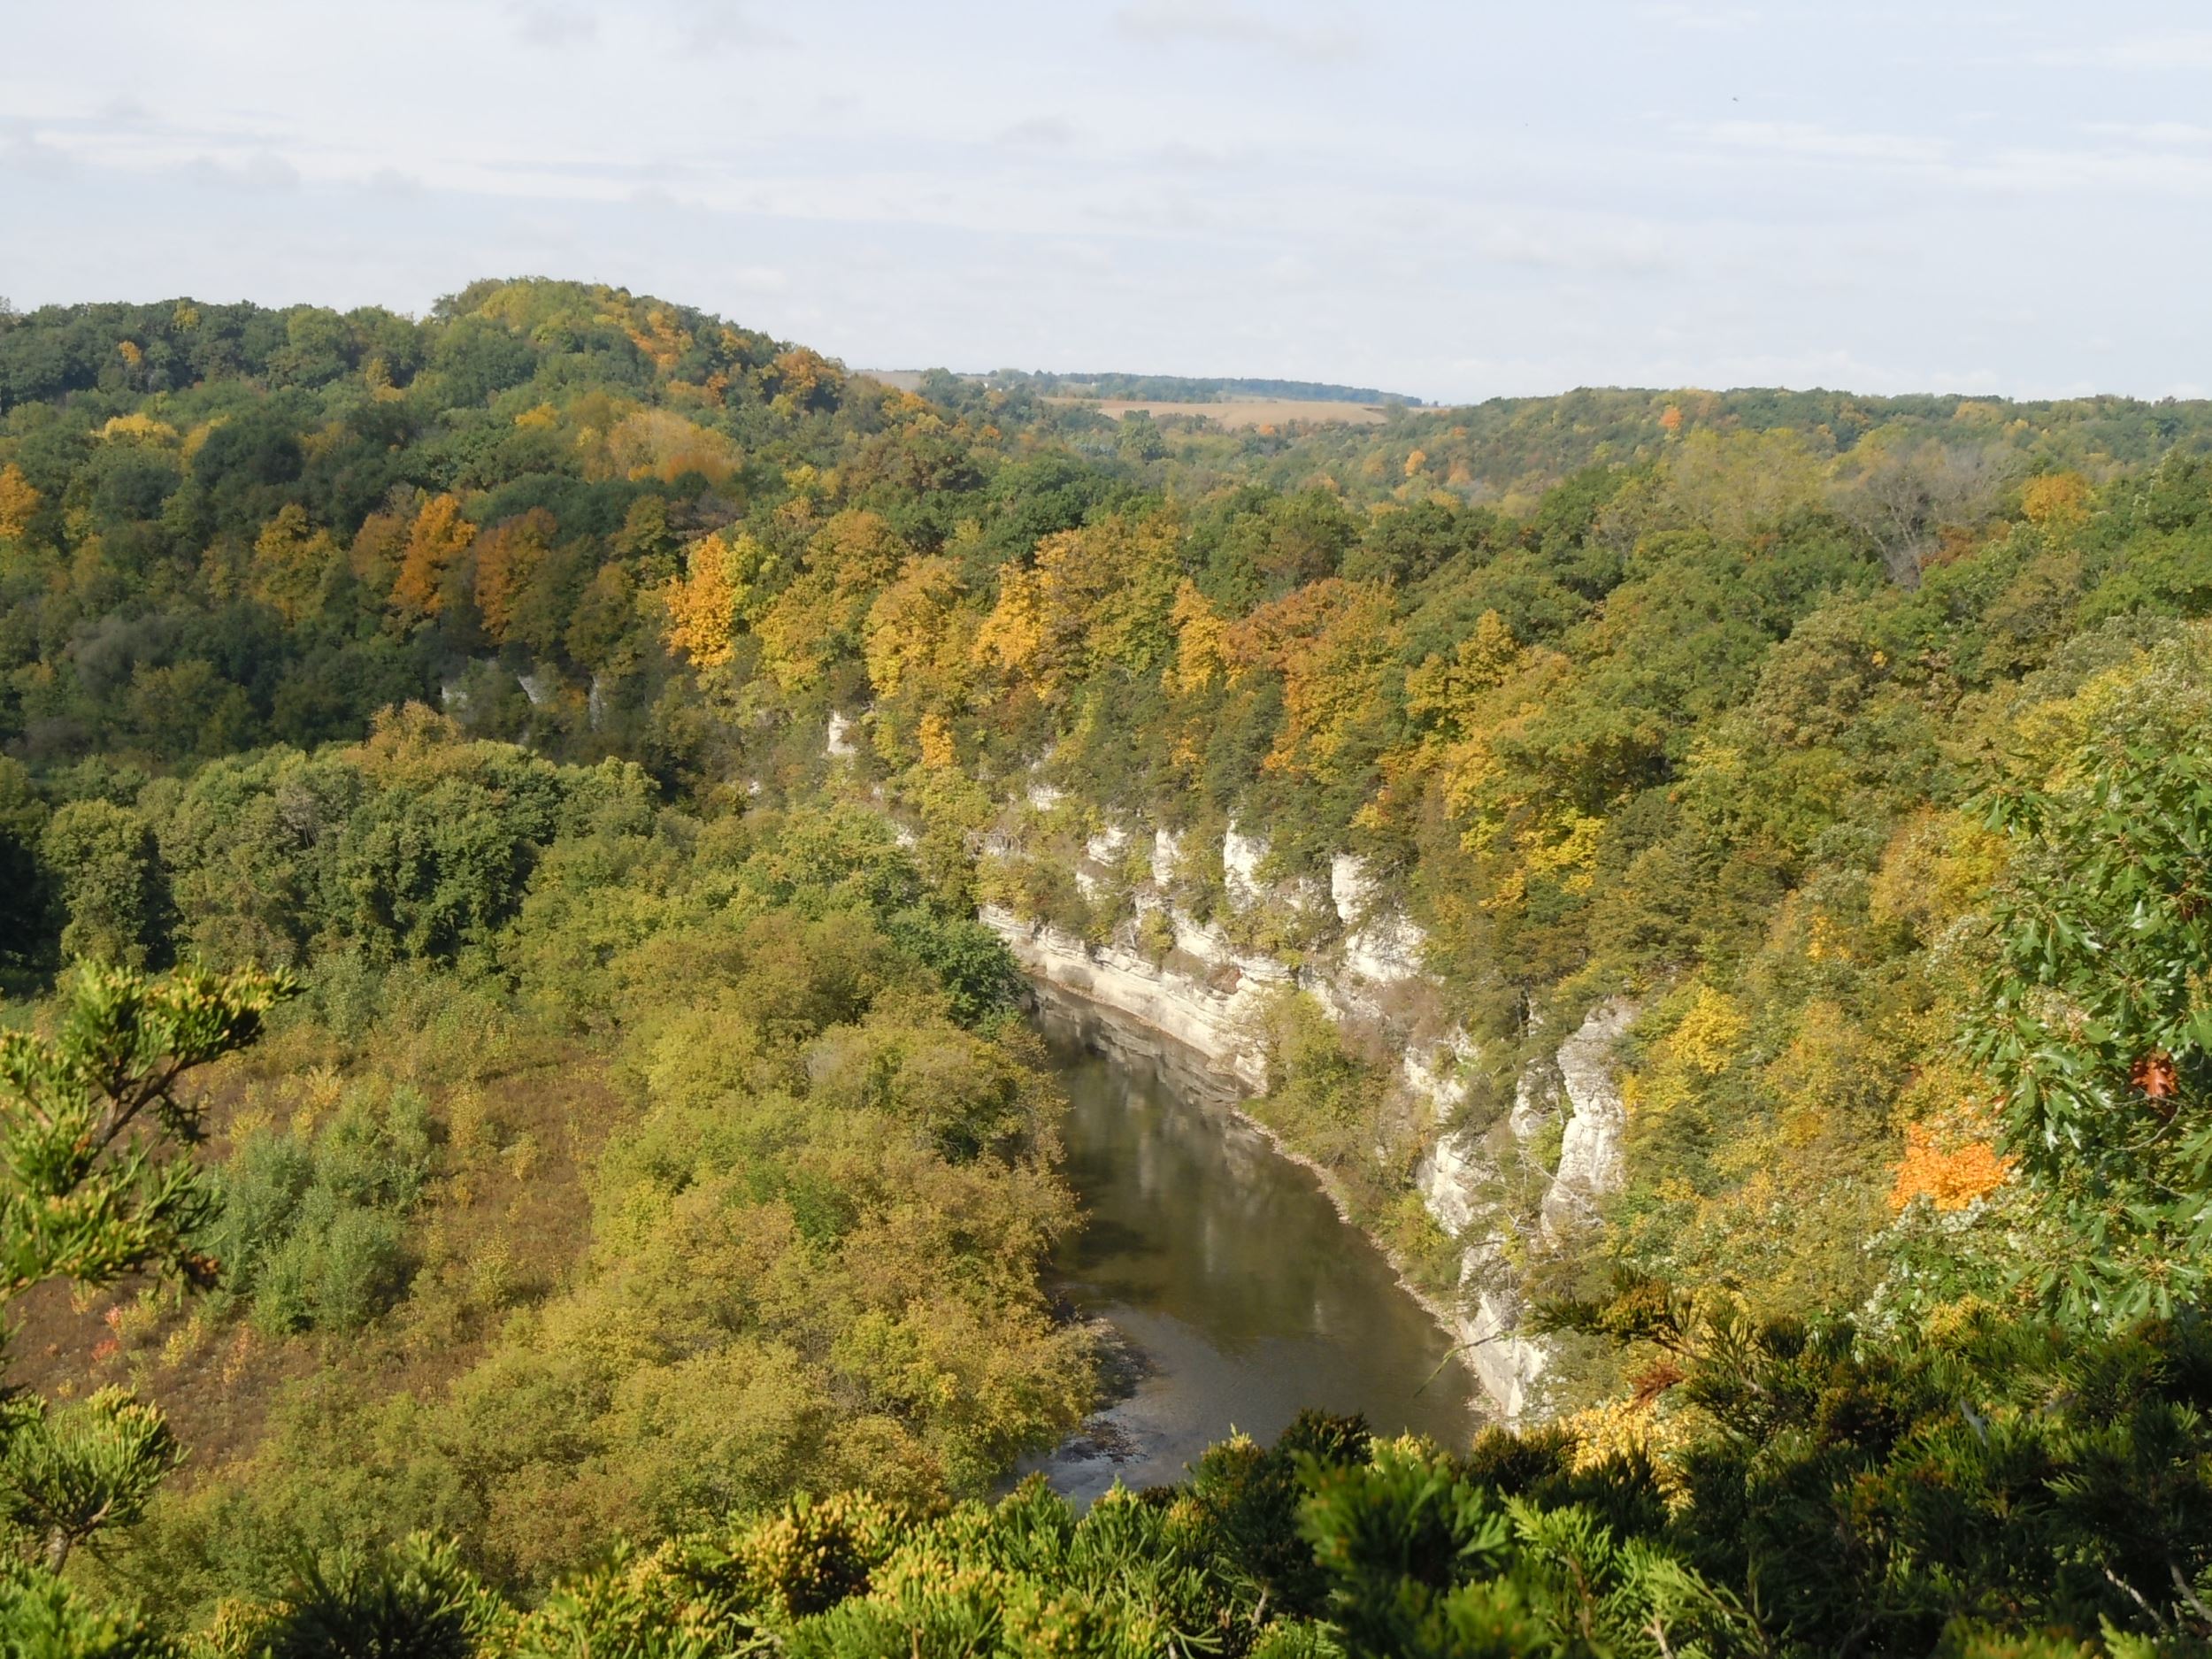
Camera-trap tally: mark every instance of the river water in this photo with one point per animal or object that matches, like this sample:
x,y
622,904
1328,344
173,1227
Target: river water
x,y
1237,1293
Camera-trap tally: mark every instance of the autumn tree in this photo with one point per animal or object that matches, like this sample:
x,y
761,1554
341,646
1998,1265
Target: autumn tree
x,y
437,542
703,604
509,556
291,557
18,502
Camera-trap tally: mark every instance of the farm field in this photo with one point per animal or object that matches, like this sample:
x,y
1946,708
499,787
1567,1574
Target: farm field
x,y
1272,412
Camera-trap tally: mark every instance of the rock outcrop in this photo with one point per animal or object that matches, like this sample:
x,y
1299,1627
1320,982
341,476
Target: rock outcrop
x,y
1210,995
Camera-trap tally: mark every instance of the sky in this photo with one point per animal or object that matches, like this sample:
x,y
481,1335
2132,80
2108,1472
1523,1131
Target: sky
x,y
1453,201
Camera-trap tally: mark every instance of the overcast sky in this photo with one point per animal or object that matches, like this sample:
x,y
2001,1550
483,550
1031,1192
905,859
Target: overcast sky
x,y
1448,200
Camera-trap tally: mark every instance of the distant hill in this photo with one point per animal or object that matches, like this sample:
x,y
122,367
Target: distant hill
x,y
1184,388
1164,388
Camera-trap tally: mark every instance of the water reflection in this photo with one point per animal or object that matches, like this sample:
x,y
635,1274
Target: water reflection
x,y
1239,1294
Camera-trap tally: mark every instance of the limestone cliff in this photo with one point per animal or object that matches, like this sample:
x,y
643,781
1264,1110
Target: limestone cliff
x,y
1191,981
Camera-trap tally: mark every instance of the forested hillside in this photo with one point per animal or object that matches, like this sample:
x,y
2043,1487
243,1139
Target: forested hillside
x,y
650,1140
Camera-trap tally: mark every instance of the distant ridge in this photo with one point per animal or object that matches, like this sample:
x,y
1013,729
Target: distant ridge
x,y
1189,389
1167,388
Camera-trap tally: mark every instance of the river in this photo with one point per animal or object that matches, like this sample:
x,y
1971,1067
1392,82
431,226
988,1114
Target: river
x,y
1236,1293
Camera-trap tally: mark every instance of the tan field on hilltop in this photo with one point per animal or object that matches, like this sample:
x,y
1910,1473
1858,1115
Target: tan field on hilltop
x,y
1267,411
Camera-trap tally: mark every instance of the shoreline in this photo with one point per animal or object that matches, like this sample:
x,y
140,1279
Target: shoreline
x,y
1235,1092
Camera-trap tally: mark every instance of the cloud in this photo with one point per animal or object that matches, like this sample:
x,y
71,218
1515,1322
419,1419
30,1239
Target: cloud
x,y
1039,132
540,23
714,25
1701,18
1629,249
1810,140
1220,23
2158,134
2177,49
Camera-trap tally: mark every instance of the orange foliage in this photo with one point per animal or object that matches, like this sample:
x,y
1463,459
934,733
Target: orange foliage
x,y
438,541
2153,1073
507,559
1953,1179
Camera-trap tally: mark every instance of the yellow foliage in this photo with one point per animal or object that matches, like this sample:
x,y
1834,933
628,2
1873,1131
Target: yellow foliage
x,y
1954,1177
1825,940
821,614
1334,643
541,418
1706,1039
1733,483
19,502
1447,689
660,337
1627,1427
914,635
132,355
1935,869
1200,633
661,443
1416,460
1013,634
138,428
289,557
703,603
1104,593
2056,497
1572,858
938,752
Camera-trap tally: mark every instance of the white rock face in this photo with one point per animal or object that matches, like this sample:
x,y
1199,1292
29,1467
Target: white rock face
x,y
1590,1164
1240,856
1386,951
1508,1365
839,744
1447,1179
1380,945
1217,1015
1434,1077
1044,796
1351,889
535,687
1167,858
1106,845
595,703
1535,1104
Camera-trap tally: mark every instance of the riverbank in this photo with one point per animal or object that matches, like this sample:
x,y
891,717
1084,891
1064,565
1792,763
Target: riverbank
x,y
1228,1069
1236,1291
